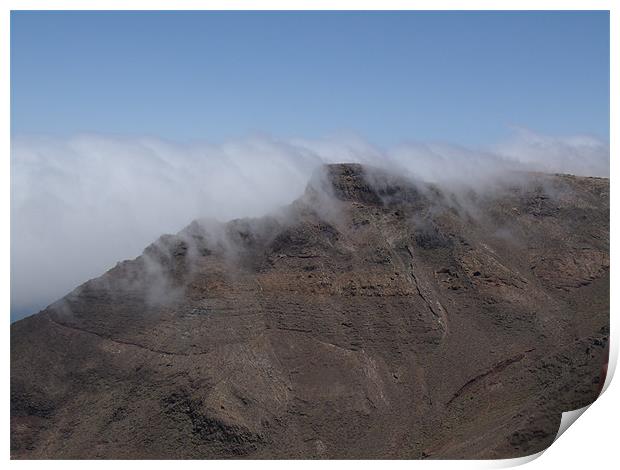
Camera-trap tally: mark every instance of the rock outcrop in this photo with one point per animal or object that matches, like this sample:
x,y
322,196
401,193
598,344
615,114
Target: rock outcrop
x,y
375,317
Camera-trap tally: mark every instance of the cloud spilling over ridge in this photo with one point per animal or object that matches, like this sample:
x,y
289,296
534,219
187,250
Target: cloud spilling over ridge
x,y
81,204
577,155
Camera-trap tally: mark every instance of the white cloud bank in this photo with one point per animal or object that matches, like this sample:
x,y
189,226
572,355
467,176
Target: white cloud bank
x,y
79,205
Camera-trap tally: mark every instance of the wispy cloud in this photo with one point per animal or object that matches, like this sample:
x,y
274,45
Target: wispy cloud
x,y
78,205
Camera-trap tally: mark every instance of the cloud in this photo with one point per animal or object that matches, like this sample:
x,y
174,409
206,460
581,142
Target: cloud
x,y
79,205
579,155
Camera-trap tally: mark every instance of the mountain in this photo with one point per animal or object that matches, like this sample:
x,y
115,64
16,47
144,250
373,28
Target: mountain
x,y
375,317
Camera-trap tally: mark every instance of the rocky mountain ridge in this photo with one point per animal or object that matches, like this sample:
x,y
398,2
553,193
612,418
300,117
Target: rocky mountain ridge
x,y
375,317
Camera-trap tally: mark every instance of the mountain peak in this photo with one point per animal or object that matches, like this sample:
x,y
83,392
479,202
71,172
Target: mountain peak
x,y
344,181
355,182
379,326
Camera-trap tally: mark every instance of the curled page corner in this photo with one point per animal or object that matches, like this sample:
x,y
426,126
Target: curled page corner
x,y
568,418
610,367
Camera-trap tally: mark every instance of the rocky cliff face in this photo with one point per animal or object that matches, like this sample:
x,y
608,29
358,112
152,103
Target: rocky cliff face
x,y
373,318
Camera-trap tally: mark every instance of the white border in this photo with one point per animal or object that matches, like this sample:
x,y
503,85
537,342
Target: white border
x,y
589,444
310,5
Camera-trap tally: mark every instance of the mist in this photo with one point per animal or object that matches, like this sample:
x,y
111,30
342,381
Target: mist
x,y
80,204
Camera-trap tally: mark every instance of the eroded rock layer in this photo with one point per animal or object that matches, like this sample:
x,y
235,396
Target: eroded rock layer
x,y
373,318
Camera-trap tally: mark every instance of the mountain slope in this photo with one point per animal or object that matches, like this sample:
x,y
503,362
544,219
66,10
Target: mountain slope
x,y
375,317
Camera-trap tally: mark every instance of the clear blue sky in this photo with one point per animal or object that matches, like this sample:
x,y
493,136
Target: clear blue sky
x,y
462,77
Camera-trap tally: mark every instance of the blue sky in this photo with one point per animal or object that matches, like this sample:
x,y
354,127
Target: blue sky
x,y
461,77
204,84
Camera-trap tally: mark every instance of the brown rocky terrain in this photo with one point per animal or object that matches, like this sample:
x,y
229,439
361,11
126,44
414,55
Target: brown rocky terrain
x,y
373,318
